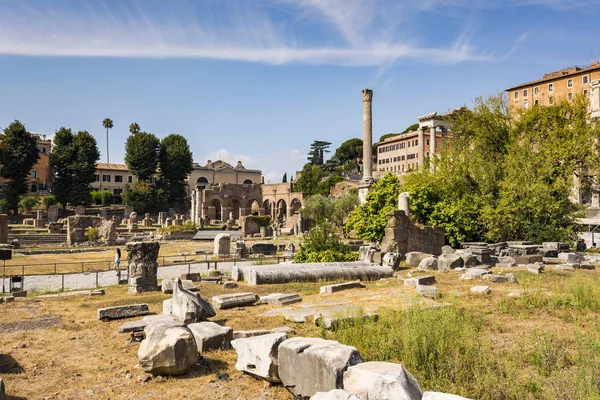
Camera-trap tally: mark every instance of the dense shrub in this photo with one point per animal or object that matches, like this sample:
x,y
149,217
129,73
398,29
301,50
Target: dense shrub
x,y
4,206
48,201
96,197
107,197
28,203
91,234
261,220
322,245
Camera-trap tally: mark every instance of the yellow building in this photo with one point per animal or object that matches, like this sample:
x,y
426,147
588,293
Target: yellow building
x,y
219,171
565,83
40,176
112,177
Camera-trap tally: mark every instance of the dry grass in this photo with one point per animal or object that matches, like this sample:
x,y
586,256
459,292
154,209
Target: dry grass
x,y
536,342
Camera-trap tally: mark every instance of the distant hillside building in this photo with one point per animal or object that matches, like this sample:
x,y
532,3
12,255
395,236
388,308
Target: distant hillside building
x,y
408,151
112,177
566,83
40,176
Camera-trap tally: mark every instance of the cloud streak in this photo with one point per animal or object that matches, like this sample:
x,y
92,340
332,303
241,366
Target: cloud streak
x,y
317,32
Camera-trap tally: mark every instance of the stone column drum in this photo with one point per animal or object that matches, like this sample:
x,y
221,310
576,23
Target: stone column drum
x,y
142,265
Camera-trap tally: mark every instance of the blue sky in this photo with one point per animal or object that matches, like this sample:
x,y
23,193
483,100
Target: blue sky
x,y
259,80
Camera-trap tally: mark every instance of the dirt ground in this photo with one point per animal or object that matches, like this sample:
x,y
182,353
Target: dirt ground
x,y
57,349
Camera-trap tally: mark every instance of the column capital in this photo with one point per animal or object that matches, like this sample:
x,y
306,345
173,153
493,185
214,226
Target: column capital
x,y
367,95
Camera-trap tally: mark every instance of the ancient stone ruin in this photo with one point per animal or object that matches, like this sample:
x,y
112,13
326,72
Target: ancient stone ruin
x,y
76,226
141,258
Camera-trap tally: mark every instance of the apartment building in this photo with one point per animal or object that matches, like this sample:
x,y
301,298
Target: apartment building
x,y
40,176
408,151
112,177
566,83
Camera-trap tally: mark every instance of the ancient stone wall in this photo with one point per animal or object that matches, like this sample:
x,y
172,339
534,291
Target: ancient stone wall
x,y
76,226
403,236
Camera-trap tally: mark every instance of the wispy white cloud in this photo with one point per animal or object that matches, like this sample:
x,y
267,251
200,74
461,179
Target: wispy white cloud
x,y
337,32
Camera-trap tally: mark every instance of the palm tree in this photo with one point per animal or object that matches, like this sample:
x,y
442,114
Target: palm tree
x,y
108,124
134,128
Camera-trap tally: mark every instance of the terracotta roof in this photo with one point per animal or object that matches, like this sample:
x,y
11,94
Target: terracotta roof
x,y
552,76
111,166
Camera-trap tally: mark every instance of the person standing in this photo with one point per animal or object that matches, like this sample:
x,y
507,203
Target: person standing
x,y
118,264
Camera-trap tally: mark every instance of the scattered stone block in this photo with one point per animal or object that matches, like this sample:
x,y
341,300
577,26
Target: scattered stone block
x,y
535,268
230,285
564,267
477,272
249,333
391,260
192,276
8,299
222,244
381,380
588,266
118,312
429,291
447,250
341,286
167,350
234,300
19,293
259,355
283,329
414,258
508,278
506,265
420,280
446,262
142,266
441,396
281,299
469,260
480,290
335,394
529,259
133,326
263,248
311,365
333,322
512,278
429,263
570,258
297,315
188,306
167,285
211,336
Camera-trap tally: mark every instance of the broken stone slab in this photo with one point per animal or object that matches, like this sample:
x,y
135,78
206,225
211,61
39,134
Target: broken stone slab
x,y
508,278
535,268
249,333
315,272
283,329
413,258
167,350
391,260
442,396
528,259
552,260
230,285
259,355
428,291
480,290
341,286
335,394
298,315
429,263
98,292
311,365
477,272
211,336
133,326
586,265
570,258
506,265
7,299
564,267
446,262
381,380
167,285
162,319
189,307
420,280
281,299
224,301
447,250
469,260
118,312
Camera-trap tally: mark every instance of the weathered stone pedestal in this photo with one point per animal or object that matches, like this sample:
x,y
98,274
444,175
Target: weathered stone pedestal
x,y
141,257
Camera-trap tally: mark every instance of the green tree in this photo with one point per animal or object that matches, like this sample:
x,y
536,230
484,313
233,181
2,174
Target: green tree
x,y
175,161
318,148
141,155
96,197
107,124
107,197
369,220
309,180
134,128
73,161
349,153
18,153
28,203
48,201
144,197
318,208
342,208
284,179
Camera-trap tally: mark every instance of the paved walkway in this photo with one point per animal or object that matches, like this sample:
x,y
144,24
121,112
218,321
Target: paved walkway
x,y
90,280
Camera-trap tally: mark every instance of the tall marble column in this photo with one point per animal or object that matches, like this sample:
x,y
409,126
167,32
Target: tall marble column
x,y
432,146
422,148
367,136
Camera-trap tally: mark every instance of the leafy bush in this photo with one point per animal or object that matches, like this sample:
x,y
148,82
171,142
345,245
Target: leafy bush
x,y
144,197
96,197
91,234
261,220
48,201
322,245
28,203
106,197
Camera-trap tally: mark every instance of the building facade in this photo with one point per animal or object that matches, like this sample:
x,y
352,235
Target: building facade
x,y
112,177
408,151
566,83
